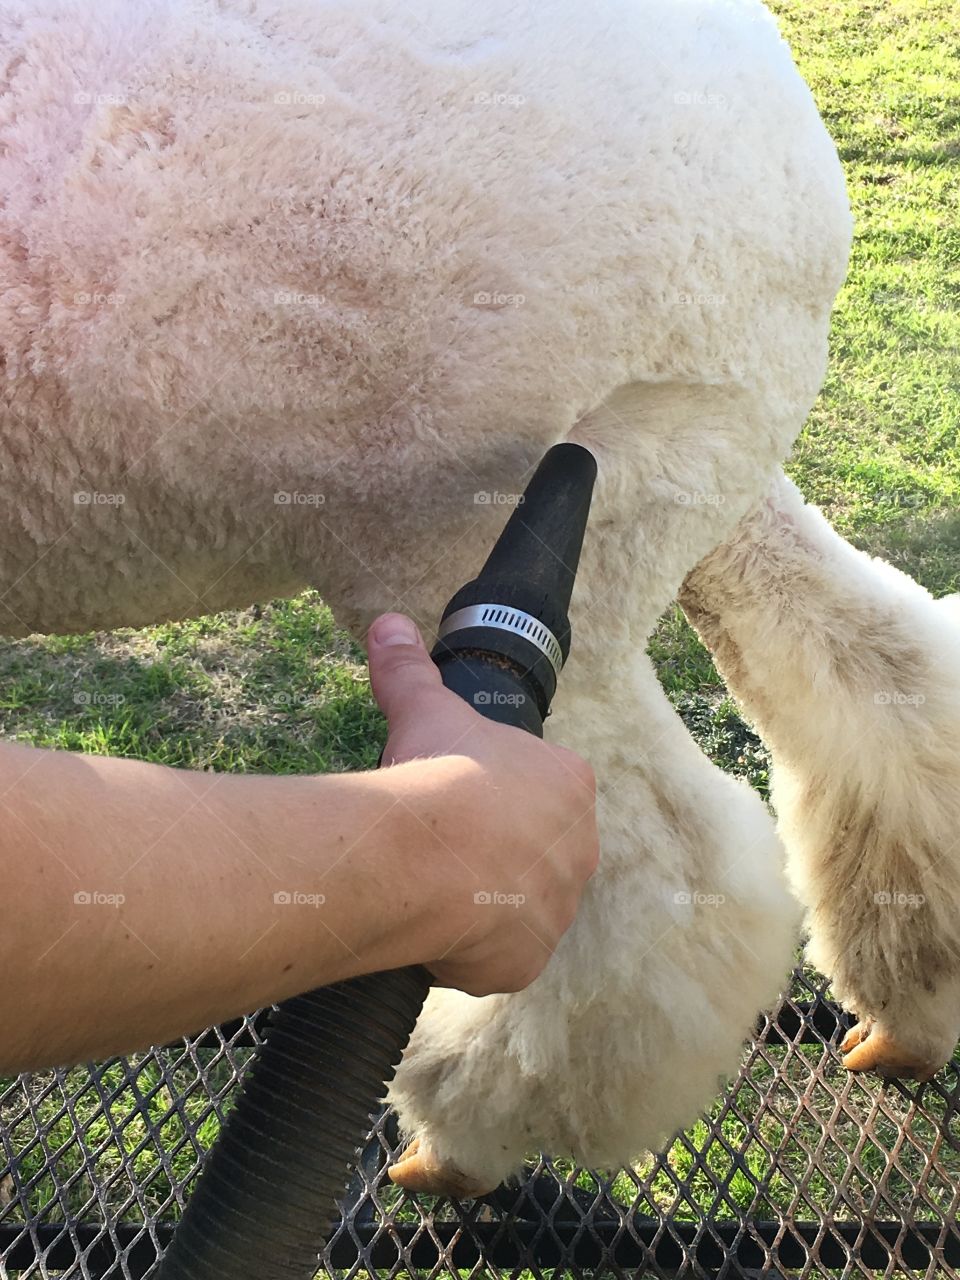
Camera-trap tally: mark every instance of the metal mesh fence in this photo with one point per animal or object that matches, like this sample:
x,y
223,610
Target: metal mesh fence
x,y
797,1170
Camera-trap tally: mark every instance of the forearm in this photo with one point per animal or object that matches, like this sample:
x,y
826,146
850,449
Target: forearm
x,y
141,903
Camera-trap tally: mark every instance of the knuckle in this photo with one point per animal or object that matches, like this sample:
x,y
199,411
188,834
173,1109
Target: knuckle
x,y
404,658
567,914
530,972
586,776
581,770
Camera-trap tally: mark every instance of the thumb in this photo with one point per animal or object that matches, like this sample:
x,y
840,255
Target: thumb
x,y
401,670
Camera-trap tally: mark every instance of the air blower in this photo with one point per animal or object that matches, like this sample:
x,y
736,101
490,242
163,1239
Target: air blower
x,y
267,1197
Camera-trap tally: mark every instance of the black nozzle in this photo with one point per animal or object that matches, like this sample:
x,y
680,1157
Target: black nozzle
x,y
515,611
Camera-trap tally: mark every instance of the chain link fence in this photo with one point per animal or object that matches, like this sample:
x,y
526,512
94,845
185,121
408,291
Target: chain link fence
x,y
798,1170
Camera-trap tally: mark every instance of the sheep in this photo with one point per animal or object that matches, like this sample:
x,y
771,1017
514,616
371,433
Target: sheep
x,y
296,293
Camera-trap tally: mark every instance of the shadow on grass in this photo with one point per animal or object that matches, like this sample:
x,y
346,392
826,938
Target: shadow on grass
x,y
925,547
275,692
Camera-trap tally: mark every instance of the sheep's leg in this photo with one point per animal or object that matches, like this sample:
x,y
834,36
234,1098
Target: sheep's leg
x,y
686,931
851,673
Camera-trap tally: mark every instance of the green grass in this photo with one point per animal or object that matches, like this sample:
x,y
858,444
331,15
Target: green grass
x,y
273,689
880,449
279,689
124,1116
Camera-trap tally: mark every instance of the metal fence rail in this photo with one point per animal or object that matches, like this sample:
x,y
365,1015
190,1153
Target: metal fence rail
x,y
798,1170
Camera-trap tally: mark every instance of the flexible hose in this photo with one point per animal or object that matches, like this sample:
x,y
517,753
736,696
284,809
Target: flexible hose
x,y
267,1201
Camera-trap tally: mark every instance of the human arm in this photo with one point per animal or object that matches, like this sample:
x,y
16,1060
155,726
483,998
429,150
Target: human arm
x,y
396,855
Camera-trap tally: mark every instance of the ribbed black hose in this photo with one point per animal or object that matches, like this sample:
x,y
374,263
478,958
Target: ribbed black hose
x,y
267,1199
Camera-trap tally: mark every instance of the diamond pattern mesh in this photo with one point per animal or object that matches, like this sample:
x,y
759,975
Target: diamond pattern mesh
x,y
797,1170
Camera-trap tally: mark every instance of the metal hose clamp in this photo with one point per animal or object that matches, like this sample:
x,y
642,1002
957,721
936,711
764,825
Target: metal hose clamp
x,y
503,618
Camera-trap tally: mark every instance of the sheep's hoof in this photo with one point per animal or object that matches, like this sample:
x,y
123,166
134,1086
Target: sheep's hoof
x,y
417,1170
867,1047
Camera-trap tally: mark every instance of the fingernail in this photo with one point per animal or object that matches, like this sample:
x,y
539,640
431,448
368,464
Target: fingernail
x,y
394,628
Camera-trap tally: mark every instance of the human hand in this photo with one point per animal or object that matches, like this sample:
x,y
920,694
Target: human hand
x,y
511,836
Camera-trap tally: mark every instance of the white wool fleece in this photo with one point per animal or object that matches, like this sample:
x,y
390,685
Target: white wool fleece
x,y
287,285
384,253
